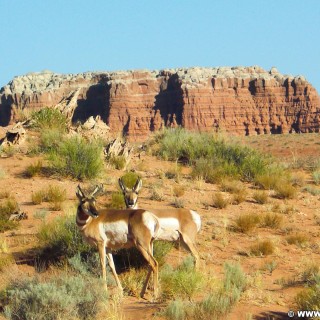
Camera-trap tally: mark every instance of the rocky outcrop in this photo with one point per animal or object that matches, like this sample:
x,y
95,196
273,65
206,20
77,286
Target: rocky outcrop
x,y
239,100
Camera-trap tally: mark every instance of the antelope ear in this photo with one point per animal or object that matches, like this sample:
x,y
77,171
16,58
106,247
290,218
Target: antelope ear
x,y
137,186
122,186
79,193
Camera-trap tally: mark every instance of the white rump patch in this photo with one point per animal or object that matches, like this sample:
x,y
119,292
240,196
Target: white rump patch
x,y
196,218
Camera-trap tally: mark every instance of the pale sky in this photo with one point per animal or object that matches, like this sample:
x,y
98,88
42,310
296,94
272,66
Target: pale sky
x,y
69,36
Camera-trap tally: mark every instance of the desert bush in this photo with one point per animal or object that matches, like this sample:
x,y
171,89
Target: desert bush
x,y
285,191
262,248
299,239
53,194
312,190
9,151
6,259
297,179
38,197
133,281
60,297
239,197
7,207
33,169
246,223
174,173
49,118
267,181
160,251
311,273
316,177
309,299
60,239
260,197
227,157
118,162
49,141
215,305
232,186
182,282
220,201
77,158
41,214
156,194
272,220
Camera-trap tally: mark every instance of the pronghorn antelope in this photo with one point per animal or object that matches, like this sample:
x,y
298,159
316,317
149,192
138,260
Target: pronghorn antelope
x,y
110,229
131,194
175,224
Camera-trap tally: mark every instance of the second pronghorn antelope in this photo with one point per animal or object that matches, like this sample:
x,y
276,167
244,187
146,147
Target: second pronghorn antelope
x,y
130,194
175,224
110,229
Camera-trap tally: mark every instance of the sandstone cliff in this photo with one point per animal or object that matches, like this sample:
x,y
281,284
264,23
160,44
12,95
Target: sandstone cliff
x,y
239,100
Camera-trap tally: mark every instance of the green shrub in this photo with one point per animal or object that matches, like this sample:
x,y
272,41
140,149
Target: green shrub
x,y
49,118
54,194
38,197
160,251
182,282
316,177
119,162
33,169
285,191
213,156
60,297
50,139
309,299
61,239
77,158
7,207
215,305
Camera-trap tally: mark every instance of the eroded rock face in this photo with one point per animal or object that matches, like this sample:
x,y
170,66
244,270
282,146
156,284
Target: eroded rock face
x,y
239,100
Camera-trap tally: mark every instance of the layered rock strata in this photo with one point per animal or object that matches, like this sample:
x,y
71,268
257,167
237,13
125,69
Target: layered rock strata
x,y
239,100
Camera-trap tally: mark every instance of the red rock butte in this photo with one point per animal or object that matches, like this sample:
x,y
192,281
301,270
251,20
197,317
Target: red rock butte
x,y
237,100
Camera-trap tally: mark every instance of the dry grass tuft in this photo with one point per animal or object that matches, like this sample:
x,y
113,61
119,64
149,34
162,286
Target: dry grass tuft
x,y
272,220
299,239
260,197
262,248
220,201
246,223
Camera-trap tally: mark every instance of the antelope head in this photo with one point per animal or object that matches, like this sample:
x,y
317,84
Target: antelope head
x,y
131,195
88,202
